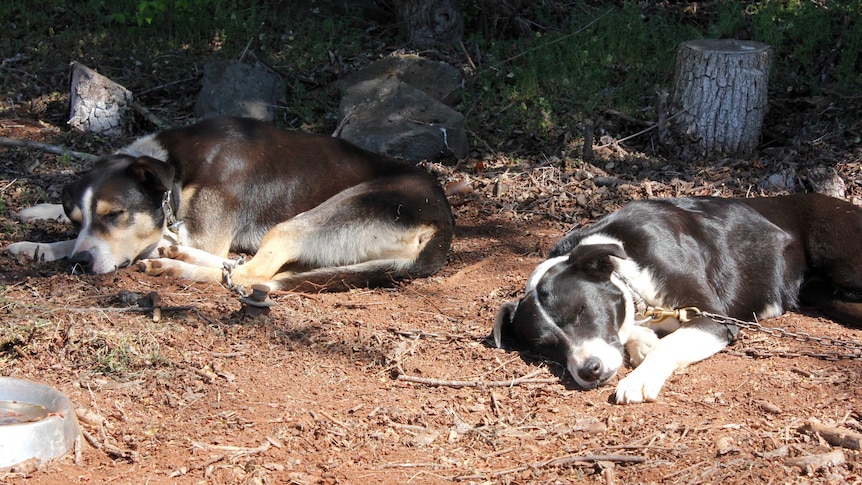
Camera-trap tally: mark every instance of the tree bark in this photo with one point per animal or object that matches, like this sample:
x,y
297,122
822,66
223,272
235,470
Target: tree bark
x,y
720,94
98,105
430,23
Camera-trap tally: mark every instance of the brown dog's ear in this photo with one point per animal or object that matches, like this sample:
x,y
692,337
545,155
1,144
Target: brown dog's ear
x,y
503,323
155,174
596,258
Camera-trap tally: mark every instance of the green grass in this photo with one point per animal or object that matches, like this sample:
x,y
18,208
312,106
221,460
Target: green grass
x,y
83,337
579,58
601,58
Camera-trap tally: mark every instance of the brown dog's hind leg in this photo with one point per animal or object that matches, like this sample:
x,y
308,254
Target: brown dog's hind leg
x,y
279,248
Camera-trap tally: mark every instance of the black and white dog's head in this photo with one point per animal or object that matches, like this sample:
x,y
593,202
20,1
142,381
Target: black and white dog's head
x,y
117,208
576,311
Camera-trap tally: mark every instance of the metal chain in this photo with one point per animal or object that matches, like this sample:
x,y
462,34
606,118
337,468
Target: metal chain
x,y
227,273
854,348
685,315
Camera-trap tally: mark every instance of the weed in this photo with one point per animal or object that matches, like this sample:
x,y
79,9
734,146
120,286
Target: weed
x,y
120,353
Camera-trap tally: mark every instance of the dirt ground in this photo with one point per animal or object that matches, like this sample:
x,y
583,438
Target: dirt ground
x,y
399,385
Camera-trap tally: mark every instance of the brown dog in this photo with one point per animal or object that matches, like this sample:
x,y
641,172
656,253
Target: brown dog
x,y
317,211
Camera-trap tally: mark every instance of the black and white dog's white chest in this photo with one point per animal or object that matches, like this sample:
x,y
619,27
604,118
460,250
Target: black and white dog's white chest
x,y
745,258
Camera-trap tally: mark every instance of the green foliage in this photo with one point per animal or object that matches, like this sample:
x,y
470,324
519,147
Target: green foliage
x,y
549,79
810,39
552,78
15,337
555,63
120,355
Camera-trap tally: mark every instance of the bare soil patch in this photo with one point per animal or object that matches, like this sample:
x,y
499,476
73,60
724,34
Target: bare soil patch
x,y
313,392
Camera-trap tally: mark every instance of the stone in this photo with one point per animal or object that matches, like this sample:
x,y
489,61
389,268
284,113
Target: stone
x,y
402,107
392,117
234,88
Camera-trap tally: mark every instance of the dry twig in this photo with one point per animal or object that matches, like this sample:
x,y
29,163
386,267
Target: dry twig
x,y
561,461
527,379
833,435
46,147
816,462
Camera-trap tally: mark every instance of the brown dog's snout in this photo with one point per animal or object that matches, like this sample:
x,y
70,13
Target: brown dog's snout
x,y
82,262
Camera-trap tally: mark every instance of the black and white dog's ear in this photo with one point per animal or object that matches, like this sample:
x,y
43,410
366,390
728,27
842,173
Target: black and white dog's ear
x,y
154,174
503,324
596,258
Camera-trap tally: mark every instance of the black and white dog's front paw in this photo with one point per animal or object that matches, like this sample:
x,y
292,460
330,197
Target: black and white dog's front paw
x,y
686,346
641,341
641,385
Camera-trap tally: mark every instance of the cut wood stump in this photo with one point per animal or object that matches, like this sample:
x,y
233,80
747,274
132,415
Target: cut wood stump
x,y
429,23
720,95
98,105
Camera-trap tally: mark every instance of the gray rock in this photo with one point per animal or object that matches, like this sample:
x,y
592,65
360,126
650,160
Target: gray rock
x,y
401,107
825,180
234,88
783,180
392,117
437,79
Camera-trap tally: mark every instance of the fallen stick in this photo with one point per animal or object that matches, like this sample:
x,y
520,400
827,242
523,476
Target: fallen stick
x,y
835,436
109,448
565,460
149,116
816,462
562,461
45,147
446,336
211,461
527,379
236,450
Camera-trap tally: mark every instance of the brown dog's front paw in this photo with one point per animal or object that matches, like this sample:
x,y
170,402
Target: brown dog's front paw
x,y
169,252
152,267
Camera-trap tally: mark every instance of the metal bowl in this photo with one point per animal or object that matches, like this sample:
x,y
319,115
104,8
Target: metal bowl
x,y
36,421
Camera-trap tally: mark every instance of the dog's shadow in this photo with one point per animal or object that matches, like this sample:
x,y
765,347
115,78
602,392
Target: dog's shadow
x,y
536,360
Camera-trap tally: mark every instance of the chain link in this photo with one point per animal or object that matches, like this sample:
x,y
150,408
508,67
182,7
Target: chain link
x,y
854,349
227,274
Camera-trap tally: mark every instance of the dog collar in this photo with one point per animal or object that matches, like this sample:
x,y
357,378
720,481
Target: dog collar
x,y
173,224
640,305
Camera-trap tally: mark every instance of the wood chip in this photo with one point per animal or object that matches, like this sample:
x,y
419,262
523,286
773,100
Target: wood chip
x,y
835,436
813,463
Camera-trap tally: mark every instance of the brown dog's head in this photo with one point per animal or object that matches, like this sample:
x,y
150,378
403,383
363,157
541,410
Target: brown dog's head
x,y
117,208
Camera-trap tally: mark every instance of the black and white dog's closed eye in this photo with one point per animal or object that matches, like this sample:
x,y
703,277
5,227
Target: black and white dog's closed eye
x,y
743,258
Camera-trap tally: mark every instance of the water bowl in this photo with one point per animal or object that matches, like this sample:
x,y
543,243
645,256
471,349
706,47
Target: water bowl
x,y
36,421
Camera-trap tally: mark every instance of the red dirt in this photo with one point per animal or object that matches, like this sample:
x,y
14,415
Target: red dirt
x,y
311,393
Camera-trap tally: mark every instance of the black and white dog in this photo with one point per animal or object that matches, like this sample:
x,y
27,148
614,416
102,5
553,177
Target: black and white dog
x,y
318,212
742,258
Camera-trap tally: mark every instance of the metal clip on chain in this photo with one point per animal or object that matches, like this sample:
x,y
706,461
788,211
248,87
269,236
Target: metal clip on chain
x,y
684,314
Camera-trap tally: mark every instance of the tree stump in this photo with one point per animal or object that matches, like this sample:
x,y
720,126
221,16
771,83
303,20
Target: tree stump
x,y
719,97
98,105
429,23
